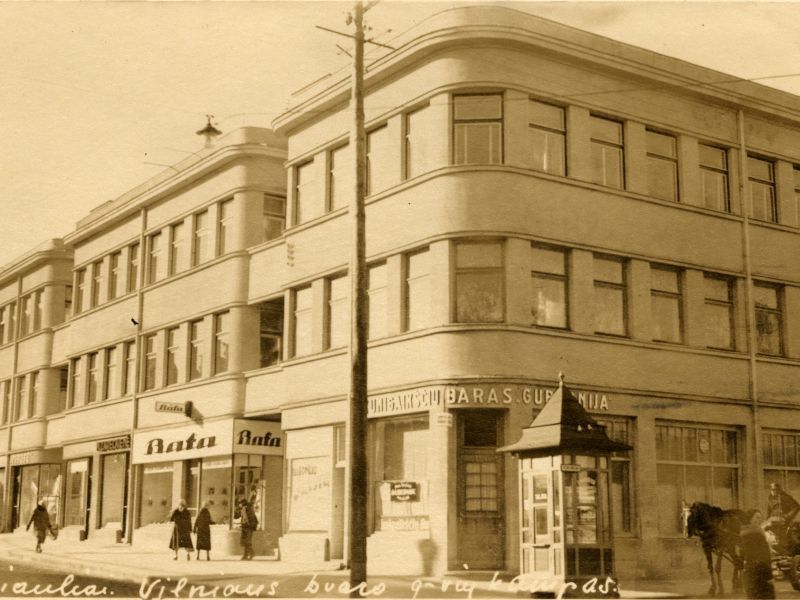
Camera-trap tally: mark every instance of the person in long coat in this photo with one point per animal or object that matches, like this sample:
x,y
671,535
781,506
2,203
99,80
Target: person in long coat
x,y
182,531
202,527
756,556
40,519
249,524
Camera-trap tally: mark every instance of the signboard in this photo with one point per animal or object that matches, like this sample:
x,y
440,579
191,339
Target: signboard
x,y
403,491
404,524
211,438
571,468
114,444
169,407
310,488
34,457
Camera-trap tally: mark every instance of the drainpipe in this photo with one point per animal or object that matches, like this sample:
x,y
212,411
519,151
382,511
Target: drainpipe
x,y
750,321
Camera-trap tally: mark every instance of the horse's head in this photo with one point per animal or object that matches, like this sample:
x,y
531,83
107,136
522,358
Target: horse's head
x,y
688,520
697,518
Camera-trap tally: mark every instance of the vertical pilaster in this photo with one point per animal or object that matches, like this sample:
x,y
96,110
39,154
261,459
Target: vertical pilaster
x,y
395,301
635,151
689,186
440,282
579,162
639,305
515,129
518,281
694,308
581,290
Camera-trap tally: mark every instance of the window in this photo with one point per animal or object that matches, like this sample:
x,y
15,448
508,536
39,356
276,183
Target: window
x,y
37,310
341,187
133,267
75,388
302,322
67,308
478,129
201,244
781,460
700,463
549,286
173,365
380,160
12,321
150,358
177,248
92,383
479,282
714,177
80,288
271,319
609,296
25,315
273,217
63,387
547,134
761,175
6,399
3,324
110,381
377,298
769,318
338,321
97,282
130,368
307,203
154,255
662,166
196,350
718,317
606,153
420,156
620,429
665,301
20,398
418,290
225,242
222,343
34,395
114,275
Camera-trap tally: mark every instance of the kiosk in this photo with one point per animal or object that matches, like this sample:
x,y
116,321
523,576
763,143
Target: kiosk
x,y
565,506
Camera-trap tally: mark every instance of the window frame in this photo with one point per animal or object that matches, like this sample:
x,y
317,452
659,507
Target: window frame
x,y
134,262
613,285
331,304
454,122
563,278
724,173
501,270
307,313
676,296
172,365
225,223
729,304
272,216
409,283
222,339
154,251
778,310
560,133
110,374
655,157
619,147
770,185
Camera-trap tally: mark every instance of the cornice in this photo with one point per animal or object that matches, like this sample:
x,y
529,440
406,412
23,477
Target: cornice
x,y
50,251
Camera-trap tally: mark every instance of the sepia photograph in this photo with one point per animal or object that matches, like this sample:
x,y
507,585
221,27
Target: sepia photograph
x,y
399,299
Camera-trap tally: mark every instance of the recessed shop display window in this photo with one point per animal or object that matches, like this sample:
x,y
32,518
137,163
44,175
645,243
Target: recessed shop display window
x,y
215,488
35,483
248,481
156,499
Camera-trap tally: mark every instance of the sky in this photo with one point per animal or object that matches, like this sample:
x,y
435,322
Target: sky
x,y
97,97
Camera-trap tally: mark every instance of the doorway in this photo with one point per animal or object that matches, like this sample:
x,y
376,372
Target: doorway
x,y
78,494
481,522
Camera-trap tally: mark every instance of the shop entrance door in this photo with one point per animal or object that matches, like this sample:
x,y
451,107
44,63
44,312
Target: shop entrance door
x,y
114,491
481,523
78,491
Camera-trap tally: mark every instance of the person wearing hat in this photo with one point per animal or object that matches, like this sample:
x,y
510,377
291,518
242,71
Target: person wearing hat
x,y
756,556
40,519
202,527
249,524
182,532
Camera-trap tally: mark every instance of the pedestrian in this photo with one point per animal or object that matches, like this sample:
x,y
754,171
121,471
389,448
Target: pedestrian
x,y
202,527
756,556
249,523
182,531
40,519
781,511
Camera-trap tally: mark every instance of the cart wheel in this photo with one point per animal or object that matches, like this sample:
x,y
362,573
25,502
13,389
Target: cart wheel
x,y
794,572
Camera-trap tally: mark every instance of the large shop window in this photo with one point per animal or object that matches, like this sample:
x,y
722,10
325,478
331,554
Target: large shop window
x,y
478,129
695,463
620,429
781,457
113,488
400,483
248,483
479,282
35,483
156,490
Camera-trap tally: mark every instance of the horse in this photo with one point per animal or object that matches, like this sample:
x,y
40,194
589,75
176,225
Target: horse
x,y
718,531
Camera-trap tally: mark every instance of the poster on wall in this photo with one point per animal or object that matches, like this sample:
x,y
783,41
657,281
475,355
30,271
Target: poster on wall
x,y
310,482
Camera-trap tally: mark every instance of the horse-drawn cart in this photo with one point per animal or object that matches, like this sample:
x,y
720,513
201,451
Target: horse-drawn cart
x,y
785,549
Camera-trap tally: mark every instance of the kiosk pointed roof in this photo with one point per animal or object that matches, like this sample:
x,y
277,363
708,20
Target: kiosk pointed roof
x,y
563,427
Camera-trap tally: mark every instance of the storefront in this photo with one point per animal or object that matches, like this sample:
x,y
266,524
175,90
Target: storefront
x,y
215,463
36,476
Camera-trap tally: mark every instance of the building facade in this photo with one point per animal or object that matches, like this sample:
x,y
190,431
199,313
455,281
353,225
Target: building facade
x,y
540,199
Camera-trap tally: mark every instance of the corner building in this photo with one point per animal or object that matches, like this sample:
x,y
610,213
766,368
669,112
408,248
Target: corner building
x,y
540,199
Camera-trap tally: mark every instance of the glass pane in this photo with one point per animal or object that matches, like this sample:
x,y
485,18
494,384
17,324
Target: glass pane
x,y
698,484
546,115
479,255
606,165
216,481
763,198
717,326
620,496
661,144
489,106
606,130
713,157
662,179
113,490
547,151
341,177
381,171
608,270
546,260
478,143
479,297
609,310
664,280
769,336
549,307
725,488
666,318
765,297
156,498
715,190
717,289
759,169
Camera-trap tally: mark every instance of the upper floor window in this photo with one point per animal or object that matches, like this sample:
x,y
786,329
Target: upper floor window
x,y
196,350
201,243
25,315
761,175
80,289
20,398
114,275
609,296
75,382
150,360
172,366
769,318
718,318
92,384
67,308
302,322
479,282
665,298
478,129
338,317
4,333
547,134
133,268
222,342
607,152
110,381
714,177
5,398
34,395
417,296
271,331
63,387
662,166
377,298
273,217
97,283
380,160
549,286
308,203
154,257
419,141
340,177
225,241
129,377
178,254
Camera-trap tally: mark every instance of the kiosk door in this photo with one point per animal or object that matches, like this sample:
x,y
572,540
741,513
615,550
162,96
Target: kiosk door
x,y
481,526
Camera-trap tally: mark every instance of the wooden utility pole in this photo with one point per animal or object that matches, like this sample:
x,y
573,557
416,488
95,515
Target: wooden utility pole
x,y
358,323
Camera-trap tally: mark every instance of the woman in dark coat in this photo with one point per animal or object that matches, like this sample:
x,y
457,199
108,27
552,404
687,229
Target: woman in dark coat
x,y
41,523
202,527
182,532
249,525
